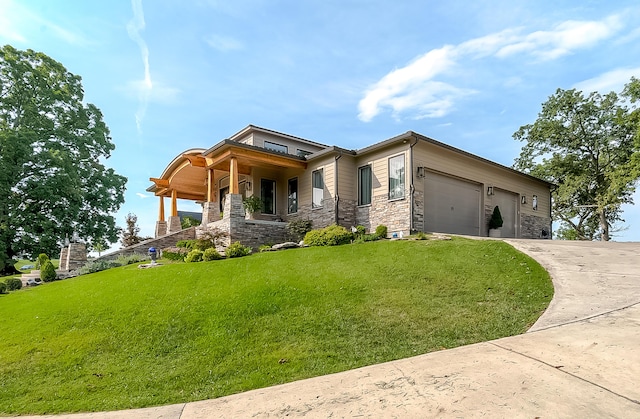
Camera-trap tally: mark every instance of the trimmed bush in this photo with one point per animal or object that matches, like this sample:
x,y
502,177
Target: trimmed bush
x,y
97,266
298,228
48,272
185,244
381,231
194,256
496,219
42,258
264,248
237,250
3,287
211,254
13,284
332,235
175,253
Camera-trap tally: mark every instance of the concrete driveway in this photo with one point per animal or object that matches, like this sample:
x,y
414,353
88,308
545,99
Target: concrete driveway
x,y
580,360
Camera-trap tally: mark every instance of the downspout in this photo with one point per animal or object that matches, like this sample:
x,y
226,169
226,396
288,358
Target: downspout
x,y
335,185
412,188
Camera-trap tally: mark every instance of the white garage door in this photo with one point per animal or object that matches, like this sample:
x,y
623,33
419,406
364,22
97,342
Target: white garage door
x,y
451,205
508,204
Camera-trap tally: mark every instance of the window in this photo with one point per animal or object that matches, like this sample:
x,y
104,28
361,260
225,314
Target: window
x,y
303,153
318,189
268,195
396,177
292,194
364,185
276,147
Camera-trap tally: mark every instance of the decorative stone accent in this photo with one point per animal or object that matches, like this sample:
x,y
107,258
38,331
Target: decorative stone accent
x,y
394,214
418,211
534,227
161,228
174,224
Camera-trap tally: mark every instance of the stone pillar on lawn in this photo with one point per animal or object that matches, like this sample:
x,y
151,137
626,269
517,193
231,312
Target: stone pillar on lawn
x,y
76,256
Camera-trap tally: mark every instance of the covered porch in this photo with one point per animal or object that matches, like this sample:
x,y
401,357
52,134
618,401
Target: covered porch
x,y
209,177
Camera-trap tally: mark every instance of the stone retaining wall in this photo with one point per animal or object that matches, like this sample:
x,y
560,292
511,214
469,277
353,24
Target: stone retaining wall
x,y
142,248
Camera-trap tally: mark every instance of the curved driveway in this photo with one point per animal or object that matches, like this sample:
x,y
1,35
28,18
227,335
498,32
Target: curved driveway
x,y
581,359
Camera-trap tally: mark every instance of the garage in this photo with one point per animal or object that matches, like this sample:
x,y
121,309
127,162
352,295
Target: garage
x,y
508,204
452,205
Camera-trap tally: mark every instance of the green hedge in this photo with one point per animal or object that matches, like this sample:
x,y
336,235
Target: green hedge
x,y
329,236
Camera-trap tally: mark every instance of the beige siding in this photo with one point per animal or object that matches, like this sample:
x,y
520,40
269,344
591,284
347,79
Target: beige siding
x,y
347,178
448,162
379,161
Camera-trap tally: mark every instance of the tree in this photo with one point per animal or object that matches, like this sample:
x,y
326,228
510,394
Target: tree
x,y
130,232
588,146
52,147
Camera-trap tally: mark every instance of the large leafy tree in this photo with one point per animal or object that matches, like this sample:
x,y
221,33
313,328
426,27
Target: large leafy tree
x,y
52,146
588,146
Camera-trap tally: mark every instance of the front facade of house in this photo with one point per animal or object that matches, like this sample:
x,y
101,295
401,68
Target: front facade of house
x,y
408,183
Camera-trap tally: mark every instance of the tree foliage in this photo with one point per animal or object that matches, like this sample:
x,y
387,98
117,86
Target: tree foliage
x,y
52,146
588,146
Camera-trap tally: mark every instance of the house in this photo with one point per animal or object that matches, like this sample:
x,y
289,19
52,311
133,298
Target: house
x,y
408,183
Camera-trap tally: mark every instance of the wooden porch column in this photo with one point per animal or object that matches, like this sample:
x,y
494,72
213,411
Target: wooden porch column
x,y
233,176
210,186
174,203
161,209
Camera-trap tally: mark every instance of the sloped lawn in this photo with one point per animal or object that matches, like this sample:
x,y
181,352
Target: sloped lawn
x,y
128,338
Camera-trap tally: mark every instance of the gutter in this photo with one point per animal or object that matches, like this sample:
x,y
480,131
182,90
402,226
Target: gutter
x,y
336,194
412,188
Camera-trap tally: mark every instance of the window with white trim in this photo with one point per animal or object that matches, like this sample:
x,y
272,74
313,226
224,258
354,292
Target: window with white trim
x,y
396,177
364,185
317,183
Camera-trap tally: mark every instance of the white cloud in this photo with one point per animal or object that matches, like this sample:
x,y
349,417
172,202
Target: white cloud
x,y
613,80
145,86
142,196
414,88
224,43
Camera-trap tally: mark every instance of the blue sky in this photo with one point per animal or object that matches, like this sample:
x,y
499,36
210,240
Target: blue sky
x,y
170,75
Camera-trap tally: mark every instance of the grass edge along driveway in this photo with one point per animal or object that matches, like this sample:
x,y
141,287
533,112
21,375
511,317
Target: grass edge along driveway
x,y
129,338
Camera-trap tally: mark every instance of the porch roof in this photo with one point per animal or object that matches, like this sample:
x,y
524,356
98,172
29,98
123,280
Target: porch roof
x,y
187,173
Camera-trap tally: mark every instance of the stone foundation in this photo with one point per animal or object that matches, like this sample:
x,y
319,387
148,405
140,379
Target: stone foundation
x,y
174,224
161,228
418,211
393,214
210,212
534,227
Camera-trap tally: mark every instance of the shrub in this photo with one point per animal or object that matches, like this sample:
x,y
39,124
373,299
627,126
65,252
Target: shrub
x,y
381,231
298,228
3,287
194,256
42,258
13,284
97,266
421,236
211,254
128,260
185,243
329,236
48,272
175,253
264,248
496,219
237,250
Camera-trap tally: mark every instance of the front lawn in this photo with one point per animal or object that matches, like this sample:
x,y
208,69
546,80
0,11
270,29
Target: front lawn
x,y
129,338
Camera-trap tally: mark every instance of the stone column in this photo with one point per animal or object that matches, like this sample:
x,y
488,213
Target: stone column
x,y
161,228
174,224
63,264
210,212
76,256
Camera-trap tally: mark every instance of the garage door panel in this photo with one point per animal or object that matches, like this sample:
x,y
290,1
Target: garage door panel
x,y
451,205
508,204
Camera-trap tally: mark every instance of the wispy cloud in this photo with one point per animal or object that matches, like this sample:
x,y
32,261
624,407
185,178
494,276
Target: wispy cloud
x,y
16,20
142,196
613,80
224,43
145,86
415,89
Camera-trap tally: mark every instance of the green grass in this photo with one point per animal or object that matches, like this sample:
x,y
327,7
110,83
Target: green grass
x,y
128,338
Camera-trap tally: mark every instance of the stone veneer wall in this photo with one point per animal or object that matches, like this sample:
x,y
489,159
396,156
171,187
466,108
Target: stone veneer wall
x,y
393,214
418,211
532,227
252,233
321,217
142,248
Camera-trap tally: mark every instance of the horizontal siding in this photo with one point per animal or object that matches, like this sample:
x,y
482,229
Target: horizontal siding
x,y
379,162
347,178
292,145
448,162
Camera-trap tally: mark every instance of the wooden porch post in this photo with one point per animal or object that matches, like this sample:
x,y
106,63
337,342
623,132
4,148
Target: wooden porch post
x,y
210,185
233,176
174,203
161,209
